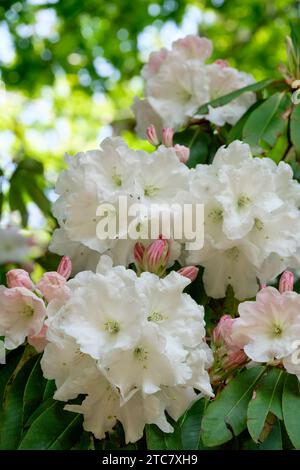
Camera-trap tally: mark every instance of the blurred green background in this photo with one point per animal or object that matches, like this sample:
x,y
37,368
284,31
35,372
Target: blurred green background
x,y
69,70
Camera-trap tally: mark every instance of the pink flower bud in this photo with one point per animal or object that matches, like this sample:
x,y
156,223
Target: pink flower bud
x,y
157,256
53,286
19,278
223,329
182,152
286,282
39,341
191,272
152,135
262,286
222,63
235,359
65,267
138,252
167,136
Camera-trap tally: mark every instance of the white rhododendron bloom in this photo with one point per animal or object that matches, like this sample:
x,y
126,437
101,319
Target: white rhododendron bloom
x,y
252,220
22,314
101,177
179,81
134,345
268,329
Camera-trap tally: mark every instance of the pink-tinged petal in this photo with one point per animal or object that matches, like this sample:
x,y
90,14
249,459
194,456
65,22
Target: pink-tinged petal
x,y
39,341
222,63
19,278
53,286
167,136
152,135
154,63
194,47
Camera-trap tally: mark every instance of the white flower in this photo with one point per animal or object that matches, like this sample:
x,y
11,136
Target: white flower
x,y
252,222
21,314
14,247
102,176
179,81
268,327
134,345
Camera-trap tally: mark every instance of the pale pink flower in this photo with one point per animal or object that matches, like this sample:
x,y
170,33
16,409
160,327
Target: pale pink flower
x,y
65,267
19,278
269,327
22,313
191,272
39,341
53,286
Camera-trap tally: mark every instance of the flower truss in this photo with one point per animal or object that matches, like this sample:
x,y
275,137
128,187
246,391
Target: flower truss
x,y
134,345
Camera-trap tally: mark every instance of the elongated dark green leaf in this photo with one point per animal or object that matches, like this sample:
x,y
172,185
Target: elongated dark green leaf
x,y
37,195
34,390
227,415
191,426
11,418
295,35
7,370
52,429
49,389
267,122
280,148
295,128
291,409
32,165
258,86
46,404
16,198
261,402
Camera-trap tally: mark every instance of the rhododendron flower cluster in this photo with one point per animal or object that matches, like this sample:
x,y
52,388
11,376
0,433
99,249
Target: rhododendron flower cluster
x,y
23,305
179,81
252,220
134,345
102,176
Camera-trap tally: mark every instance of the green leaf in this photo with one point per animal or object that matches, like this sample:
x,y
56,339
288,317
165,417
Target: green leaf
x,y
16,198
280,148
32,165
34,390
295,36
236,132
268,122
227,415
155,438
11,418
261,402
37,195
191,426
49,389
258,86
46,404
54,428
295,128
291,409
7,370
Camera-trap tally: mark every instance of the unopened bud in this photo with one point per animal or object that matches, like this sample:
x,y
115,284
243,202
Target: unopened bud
x,y
286,282
19,278
182,152
191,272
65,267
152,135
138,252
167,136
